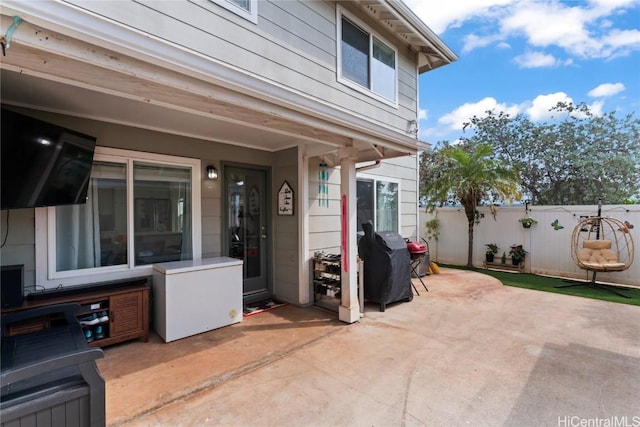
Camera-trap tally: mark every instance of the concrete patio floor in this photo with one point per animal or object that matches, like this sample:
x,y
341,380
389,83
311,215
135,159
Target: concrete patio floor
x,y
468,352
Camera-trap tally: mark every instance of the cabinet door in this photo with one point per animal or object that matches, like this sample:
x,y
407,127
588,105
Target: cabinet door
x,y
126,313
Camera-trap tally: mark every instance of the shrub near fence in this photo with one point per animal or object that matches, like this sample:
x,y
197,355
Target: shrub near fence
x,y
548,242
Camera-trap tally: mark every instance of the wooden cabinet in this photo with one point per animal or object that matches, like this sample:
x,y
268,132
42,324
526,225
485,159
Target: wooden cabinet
x,y
129,317
107,316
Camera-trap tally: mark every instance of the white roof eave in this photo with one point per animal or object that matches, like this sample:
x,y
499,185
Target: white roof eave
x,y
432,51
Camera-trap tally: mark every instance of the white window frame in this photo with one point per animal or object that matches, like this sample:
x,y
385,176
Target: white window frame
x,y
46,274
249,15
376,179
340,12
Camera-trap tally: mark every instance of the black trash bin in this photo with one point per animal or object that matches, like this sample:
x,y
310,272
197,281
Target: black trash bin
x,y
387,267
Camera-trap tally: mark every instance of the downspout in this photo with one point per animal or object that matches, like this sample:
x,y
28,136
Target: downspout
x,y
373,166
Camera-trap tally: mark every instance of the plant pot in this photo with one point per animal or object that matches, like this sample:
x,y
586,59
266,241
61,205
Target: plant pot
x,y
515,261
489,257
526,225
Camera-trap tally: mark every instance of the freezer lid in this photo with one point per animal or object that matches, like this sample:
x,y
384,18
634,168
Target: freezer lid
x,y
174,267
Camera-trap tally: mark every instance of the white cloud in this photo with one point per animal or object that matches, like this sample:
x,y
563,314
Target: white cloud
x,y
606,89
611,4
450,14
540,106
596,108
455,120
550,24
473,41
532,59
582,29
537,110
620,42
423,114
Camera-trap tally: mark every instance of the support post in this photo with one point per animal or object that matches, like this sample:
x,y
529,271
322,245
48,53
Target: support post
x,y
349,310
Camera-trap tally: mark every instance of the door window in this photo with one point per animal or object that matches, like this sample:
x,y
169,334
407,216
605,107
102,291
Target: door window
x,y
246,225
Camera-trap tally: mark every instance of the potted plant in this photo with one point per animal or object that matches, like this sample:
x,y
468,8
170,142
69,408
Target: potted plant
x,y
492,250
527,222
517,254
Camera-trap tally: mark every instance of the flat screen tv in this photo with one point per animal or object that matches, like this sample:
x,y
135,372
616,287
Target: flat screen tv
x,y
43,164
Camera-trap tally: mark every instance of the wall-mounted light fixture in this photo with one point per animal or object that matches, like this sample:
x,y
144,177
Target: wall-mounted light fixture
x,y
212,172
412,127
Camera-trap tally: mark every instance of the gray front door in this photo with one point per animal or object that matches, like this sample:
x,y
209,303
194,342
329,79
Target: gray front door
x,y
246,227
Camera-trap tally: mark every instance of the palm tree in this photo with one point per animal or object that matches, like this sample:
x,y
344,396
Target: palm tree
x,y
466,175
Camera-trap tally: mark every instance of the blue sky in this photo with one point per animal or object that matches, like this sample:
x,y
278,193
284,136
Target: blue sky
x,y
523,56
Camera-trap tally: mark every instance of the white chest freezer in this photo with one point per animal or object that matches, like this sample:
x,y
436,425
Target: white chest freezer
x,y
195,296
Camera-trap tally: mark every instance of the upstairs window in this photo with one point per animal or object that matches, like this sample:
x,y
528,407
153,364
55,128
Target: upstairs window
x,y
365,61
243,4
247,9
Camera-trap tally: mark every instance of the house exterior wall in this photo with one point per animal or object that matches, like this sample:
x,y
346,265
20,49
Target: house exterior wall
x,y
324,222
286,233
20,247
293,45
324,217
20,244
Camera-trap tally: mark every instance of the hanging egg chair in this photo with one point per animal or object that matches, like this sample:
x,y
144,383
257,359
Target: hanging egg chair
x,y
601,244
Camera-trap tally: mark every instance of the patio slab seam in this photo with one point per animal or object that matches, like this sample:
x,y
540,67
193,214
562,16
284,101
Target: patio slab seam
x,y
226,377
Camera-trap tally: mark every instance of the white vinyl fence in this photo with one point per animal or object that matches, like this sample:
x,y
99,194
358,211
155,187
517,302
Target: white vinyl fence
x,y
548,247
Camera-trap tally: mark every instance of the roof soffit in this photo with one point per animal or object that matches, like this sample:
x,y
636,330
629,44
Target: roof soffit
x,y
433,53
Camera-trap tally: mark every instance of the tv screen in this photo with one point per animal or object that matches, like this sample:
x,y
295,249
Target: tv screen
x,y
43,164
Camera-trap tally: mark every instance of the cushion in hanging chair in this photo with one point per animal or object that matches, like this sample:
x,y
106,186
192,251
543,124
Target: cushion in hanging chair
x,y
597,255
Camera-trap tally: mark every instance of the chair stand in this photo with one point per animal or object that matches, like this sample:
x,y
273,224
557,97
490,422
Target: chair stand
x,y
414,288
416,260
593,283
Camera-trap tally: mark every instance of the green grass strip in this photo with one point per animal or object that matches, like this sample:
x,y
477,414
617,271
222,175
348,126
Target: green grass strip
x,y
548,284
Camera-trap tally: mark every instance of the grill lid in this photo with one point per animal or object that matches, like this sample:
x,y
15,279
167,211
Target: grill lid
x,y
416,247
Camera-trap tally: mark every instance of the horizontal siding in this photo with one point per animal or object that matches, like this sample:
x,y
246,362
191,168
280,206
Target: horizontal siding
x,y
408,232
293,45
323,241
409,208
324,221
18,247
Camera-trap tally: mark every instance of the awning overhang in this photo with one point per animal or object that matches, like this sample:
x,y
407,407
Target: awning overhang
x,y
49,70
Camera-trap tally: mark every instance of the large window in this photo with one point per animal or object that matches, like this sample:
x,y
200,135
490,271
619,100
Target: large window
x,y
378,203
94,234
139,211
248,9
365,61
